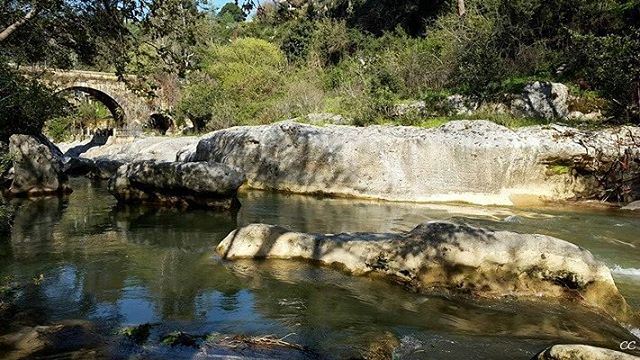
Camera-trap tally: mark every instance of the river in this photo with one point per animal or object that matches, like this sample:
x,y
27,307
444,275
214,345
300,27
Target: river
x,y
120,266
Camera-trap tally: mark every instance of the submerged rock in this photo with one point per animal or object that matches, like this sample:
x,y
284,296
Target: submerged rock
x,y
582,352
65,337
220,346
37,167
472,161
198,184
449,257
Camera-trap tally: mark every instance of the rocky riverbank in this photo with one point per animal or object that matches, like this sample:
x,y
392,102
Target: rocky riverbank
x,y
477,162
468,161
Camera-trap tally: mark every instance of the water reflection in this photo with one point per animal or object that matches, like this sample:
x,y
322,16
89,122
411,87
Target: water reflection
x,y
130,265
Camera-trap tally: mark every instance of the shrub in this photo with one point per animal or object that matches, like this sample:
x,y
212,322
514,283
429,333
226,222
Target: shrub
x,y
237,83
611,65
59,129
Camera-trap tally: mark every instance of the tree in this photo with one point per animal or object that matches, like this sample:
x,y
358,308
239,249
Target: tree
x,y
461,8
62,33
233,12
30,13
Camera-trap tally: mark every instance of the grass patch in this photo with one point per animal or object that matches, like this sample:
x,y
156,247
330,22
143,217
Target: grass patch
x,y
558,170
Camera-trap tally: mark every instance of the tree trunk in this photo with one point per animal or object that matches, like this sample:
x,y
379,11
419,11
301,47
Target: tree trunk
x,y
13,27
461,8
636,94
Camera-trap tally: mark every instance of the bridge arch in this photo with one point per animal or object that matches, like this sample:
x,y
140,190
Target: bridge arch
x,y
116,110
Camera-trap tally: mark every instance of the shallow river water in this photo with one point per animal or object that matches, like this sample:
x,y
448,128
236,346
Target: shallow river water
x,y
125,266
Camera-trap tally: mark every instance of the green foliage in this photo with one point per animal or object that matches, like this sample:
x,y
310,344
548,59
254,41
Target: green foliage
x,y
138,334
238,83
87,114
231,12
612,65
179,338
6,219
25,104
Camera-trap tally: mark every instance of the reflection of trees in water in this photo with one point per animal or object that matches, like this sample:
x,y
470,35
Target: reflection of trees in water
x,y
325,299
168,252
34,222
169,227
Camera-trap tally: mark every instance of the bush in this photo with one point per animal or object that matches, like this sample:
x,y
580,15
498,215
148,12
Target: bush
x,y
237,84
611,65
59,129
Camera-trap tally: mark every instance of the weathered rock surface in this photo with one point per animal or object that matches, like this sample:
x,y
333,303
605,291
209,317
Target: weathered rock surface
x,y
634,206
5,166
542,100
37,167
471,161
198,184
582,352
77,166
444,256
160,148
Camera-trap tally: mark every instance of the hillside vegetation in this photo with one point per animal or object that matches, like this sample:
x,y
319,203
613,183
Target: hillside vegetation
x,y
355,58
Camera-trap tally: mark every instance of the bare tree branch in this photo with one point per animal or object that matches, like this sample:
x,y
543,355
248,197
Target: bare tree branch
x,y
461,8
13,27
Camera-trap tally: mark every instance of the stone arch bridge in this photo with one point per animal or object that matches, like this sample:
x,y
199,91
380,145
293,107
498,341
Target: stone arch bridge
x,y
128,109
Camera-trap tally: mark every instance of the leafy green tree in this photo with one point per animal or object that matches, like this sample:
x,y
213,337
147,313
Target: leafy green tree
x,y
62,33
231,12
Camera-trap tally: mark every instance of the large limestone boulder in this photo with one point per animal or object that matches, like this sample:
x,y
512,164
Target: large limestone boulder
x,y
37,167
544,100
194,184
443,256
472,161
582,352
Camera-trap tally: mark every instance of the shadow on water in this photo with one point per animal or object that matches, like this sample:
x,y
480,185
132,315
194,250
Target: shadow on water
x,y
118,266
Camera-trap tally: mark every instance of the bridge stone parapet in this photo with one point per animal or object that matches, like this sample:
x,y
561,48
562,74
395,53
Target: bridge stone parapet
x,y
129,109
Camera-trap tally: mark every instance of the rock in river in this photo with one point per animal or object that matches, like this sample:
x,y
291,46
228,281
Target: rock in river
x,y
38,168
634,206
581,352
444,256
472,161
198,184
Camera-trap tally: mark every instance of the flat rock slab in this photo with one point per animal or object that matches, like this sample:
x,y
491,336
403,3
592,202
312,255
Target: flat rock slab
x,y
199,184
582,352
450,257
471,161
